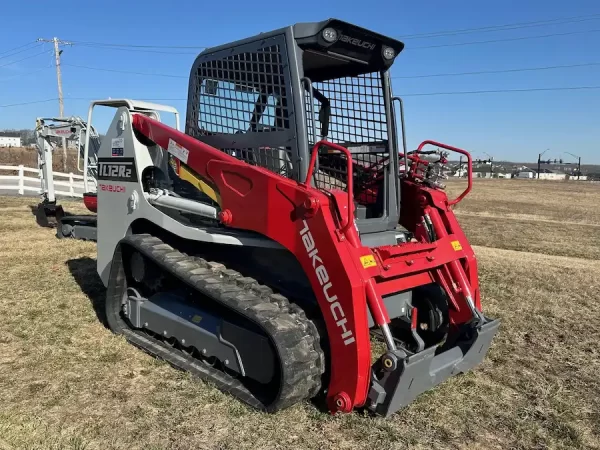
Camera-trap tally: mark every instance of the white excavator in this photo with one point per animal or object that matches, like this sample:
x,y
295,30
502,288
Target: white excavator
x,y
49,134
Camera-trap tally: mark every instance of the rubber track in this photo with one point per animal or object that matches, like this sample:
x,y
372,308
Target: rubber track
x,y
295,337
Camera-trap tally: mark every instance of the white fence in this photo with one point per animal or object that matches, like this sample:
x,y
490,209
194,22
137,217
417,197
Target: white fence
x,y
23,184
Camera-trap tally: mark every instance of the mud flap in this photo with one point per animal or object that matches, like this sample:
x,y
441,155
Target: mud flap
x,y
414,374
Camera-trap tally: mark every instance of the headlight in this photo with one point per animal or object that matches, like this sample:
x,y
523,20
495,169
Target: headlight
x,y
330,35
388,53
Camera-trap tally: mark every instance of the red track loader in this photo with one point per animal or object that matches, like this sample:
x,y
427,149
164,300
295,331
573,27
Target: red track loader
x,y
267,247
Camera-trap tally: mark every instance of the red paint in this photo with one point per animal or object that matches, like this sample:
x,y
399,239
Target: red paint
x,y
456,150
241,185
349,183
318,228
90,200
414,318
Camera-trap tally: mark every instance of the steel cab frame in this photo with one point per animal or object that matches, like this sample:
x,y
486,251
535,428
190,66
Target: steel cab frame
x,y
268,99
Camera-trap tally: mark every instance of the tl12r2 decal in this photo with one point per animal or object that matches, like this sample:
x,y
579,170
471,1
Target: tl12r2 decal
x,y
117,169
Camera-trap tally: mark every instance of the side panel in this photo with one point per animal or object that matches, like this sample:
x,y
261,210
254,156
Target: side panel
x,y
121,199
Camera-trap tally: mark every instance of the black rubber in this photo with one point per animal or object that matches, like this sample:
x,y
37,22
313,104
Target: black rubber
x,y
292,334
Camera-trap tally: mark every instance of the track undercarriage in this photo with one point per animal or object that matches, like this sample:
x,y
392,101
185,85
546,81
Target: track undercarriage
x,y
202,317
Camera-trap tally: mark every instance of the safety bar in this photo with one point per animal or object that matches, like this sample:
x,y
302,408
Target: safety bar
x,y
401,103
469,163
349,184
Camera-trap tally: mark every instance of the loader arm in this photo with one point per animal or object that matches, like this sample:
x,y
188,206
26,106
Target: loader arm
x,y
347,278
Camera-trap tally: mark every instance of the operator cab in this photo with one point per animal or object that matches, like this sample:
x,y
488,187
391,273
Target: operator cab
x,y
268,99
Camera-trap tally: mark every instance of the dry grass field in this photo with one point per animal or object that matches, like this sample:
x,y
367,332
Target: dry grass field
x,y
66,382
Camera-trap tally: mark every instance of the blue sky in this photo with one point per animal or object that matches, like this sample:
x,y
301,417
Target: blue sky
x,y
514,125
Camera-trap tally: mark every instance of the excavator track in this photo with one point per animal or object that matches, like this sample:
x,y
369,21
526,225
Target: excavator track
x,y
294,337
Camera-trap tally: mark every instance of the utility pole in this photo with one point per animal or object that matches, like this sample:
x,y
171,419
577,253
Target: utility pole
x,y
491,164
61,106
539,162
578,163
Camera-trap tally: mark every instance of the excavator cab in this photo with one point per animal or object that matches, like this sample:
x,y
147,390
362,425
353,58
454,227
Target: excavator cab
x,y
267,100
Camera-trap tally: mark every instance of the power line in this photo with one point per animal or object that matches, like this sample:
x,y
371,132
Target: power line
x,y
498,71
21,51
395,77
21,75
125,71
568,88
23,59
126,49
17,48
510,26
571,88
107,44
28,103
494,91
541,36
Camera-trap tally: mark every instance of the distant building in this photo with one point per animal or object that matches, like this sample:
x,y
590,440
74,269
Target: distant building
x,y
485,172
8,139
545,174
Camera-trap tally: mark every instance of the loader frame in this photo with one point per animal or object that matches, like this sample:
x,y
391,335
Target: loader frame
x,y
278,185
348,279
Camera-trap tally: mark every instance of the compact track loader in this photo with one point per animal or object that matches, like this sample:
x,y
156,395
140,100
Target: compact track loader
x,y
267,247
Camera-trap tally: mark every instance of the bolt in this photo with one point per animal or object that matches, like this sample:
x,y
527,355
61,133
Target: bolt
x,y
165,332
387,267
204,351
410,262
226,362
339,402
146,324
183,341
430,258
225,217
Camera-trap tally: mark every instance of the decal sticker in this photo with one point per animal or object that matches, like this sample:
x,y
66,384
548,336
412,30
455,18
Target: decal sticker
x,y
113,169
335,306
112,188
368,261
117,145
179,151
456,246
